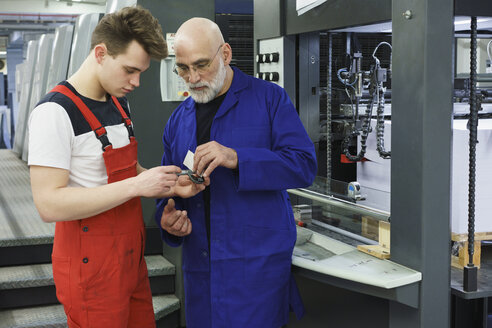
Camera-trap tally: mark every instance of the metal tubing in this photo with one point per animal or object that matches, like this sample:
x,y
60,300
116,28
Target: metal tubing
x,y
330,200
345,233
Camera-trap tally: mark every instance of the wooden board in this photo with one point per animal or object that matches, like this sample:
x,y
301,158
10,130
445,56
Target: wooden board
x,y
464,236
375,250
462,259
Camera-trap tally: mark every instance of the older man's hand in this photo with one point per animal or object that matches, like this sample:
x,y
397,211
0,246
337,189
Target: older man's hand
x,y
212,154
175,222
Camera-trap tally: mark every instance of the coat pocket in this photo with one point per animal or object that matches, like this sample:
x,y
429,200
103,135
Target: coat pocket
x,y
100,260
61,276
268,255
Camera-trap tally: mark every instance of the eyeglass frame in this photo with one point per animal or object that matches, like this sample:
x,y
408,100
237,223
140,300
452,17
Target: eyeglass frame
x,y
202,70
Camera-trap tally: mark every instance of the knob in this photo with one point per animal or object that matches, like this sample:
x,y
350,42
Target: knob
x,y
266,58
274,57
274,76
260,58
259,75
267,77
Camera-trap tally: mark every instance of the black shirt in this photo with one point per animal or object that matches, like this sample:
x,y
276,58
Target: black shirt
x,y
205,114
105,111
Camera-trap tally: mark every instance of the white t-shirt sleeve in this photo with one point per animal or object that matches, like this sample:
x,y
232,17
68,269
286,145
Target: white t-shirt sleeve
x,y
50,136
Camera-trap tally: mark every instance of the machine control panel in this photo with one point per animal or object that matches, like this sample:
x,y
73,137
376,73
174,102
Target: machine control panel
x,y
173,88
270,60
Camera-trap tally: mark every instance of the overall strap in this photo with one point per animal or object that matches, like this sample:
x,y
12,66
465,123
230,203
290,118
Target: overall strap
x,y
126,119
94,123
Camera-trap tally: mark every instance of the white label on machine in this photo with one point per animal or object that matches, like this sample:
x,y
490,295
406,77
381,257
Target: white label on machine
x,y
170,43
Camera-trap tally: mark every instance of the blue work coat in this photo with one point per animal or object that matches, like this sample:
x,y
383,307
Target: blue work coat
x,y
244,279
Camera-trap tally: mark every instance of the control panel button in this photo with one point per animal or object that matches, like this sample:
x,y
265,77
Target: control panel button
x,y
274,76
274,57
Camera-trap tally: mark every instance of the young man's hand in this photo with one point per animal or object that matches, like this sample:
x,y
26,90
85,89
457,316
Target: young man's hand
x,y
156,182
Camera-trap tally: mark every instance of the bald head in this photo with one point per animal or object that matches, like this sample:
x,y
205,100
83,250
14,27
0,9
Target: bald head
x,y
203,58
200,32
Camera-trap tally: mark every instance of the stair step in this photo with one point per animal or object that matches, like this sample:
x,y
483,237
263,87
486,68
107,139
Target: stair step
x,y
29,285
158,265
52,316
20,223
164,305
38,250
29,254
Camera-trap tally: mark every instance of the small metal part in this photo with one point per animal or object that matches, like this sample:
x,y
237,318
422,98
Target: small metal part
x,y
302,212
407,14
470,274
192,175
353,191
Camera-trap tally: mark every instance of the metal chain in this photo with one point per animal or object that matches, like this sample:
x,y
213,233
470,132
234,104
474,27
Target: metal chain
x,y
364,133
328,112
380,125
473,122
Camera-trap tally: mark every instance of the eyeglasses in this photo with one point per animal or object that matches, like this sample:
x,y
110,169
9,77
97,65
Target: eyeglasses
x,y
200,68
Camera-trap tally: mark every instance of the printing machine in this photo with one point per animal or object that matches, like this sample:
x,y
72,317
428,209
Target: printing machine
x,y
374,89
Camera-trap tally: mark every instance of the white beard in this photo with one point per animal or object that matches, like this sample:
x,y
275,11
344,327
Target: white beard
x,y
211,89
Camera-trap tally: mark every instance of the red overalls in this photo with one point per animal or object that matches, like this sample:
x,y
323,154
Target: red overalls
x,y
98,263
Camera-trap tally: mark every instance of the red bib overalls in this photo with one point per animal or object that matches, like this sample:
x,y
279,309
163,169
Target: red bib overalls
x,y
98,263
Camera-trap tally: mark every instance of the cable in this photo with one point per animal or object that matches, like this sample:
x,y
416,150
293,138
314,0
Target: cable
x,y
377,92
380,109
342,81
380,127
376,49
365,130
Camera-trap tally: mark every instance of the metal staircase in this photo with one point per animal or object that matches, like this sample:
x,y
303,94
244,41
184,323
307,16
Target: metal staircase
x,y
27,291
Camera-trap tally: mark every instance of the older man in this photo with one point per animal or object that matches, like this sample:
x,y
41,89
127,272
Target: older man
x,y
248,139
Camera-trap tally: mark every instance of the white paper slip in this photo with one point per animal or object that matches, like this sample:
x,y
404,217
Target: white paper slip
x,y
189,160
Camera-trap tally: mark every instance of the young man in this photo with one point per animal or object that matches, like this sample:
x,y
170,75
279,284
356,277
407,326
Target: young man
x,y
85,176
248,138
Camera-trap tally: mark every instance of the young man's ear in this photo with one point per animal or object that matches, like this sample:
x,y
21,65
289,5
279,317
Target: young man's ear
x,y
100,51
